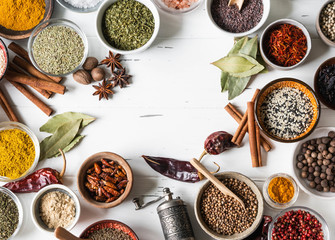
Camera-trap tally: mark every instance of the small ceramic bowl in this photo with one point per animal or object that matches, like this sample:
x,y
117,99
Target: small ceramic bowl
x,y
56,22
322,98
20,126
266,11
174,9
323,37
19,208
14,35
67,5
273,203
88,163
35,206
105,5
293,83
317,215
269,28
304,182
236,236
4,50
108,224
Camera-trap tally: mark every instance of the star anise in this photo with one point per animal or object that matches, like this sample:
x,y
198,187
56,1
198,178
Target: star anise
x,y
103,90
120,78
113,61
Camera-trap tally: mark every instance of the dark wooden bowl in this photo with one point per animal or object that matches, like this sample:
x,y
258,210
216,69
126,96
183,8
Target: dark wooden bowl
x,y
88,163
328,62
14,35
109,224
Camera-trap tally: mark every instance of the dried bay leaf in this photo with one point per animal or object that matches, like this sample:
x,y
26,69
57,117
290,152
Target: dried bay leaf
x,y
233,64
72,144
236,86
256,69
60,139
238,45
224,81
55,122
250,48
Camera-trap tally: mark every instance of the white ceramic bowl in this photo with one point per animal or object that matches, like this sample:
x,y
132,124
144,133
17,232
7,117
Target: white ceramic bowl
x,y
276,23
67,5
266,11
22,127
303,183
19,208
105,5
35,213
171,10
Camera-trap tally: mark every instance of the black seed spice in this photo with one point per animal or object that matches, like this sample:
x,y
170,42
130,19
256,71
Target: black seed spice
x,y
230,19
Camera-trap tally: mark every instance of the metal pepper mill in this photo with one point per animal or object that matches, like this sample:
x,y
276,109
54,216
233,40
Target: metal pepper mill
x,y
173,216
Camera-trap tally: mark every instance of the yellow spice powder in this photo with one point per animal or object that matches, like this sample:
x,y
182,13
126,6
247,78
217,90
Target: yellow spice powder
x,y
21,15
17,153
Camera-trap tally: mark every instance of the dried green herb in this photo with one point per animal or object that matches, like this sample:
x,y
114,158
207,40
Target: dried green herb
x,y
239,65
128,24
58,49
9,216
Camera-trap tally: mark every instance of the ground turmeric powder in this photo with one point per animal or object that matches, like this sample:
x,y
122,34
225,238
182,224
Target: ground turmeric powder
x,y
281,190
21,15
17,153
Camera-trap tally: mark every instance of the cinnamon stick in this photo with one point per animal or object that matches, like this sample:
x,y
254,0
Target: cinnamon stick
x,y
35,82
41,105
252,134
15,68
258,144
238,116
243,127
24,54
7,108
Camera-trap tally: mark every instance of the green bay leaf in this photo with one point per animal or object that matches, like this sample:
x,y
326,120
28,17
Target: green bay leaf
x,y
236,86
254,70
234,64
238,45
72,144
224,81
60,139
250,48
60,119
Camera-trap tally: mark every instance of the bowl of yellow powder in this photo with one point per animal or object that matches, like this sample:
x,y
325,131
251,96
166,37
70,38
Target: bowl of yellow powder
x,y
18,18
280,191
19,151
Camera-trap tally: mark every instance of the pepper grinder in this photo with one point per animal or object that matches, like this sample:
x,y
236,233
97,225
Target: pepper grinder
x,y
173,215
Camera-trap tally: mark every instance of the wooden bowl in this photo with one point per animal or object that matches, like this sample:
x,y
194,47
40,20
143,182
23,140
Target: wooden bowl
x,y
236,236
12,34
109,224
88,163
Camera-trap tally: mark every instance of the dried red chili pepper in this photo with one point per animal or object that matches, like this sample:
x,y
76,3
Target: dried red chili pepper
x,y
261,233
38,179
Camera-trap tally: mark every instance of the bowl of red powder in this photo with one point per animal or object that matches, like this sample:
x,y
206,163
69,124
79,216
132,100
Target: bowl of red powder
x,y
3,59
285,44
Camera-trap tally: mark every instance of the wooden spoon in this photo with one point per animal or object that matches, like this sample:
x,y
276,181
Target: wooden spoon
x,y
217,183
238,3
64,234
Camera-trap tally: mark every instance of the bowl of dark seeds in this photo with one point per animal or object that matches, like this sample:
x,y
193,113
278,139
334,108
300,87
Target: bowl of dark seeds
x,y
232,21
109,229
221,216
314,163
287,110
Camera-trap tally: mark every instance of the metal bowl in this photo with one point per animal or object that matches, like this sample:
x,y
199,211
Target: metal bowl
x,y
20,126
68,6
236,236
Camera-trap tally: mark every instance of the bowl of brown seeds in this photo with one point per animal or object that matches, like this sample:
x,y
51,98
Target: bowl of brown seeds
x,y
221,216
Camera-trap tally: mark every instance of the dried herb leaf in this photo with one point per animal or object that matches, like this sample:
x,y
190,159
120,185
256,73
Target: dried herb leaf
x,y
224,81
72,144
60,139
58,120
234,64
238,45
236,86
250,48
256,69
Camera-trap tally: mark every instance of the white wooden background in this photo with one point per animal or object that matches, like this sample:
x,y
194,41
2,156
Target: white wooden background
x,y
173,103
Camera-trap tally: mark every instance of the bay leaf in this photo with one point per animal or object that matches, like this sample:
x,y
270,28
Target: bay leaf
x,y
60,139
250,48
55,122
238,45
224,81
234,64
72,144
236,86
262,62
254,70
